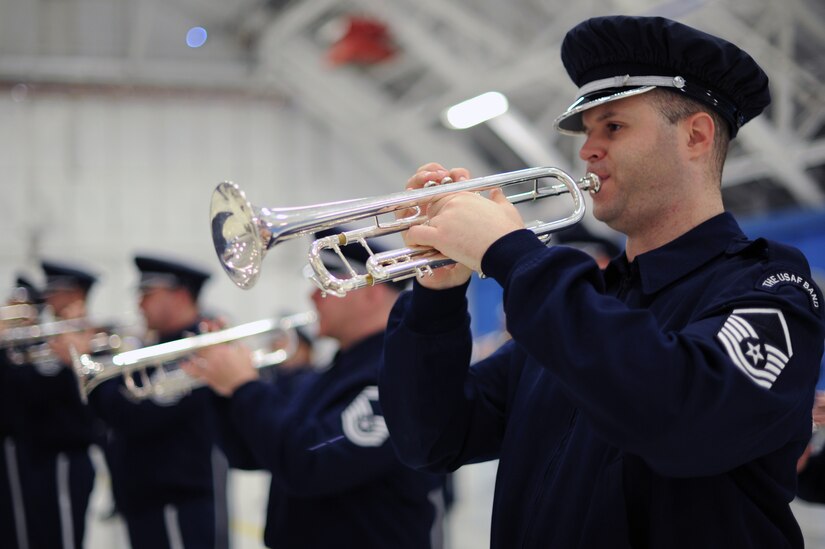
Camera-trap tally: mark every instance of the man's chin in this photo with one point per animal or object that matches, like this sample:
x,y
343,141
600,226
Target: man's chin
x,y
606,216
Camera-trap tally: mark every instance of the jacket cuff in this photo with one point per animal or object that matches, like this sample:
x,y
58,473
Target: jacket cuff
x,y
437,311
246,391
504,253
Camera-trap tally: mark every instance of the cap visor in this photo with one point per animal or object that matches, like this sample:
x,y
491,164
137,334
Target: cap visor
x,y
570,122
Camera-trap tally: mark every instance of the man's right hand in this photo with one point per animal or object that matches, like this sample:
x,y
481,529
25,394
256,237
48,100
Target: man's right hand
x,y
451,275
224,367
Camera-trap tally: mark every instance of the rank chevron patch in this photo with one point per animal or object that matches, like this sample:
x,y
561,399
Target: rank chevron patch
x,y
362,426
758,343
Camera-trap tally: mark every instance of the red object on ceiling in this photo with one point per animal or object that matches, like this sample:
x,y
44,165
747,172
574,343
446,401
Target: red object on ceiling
x,y
366,41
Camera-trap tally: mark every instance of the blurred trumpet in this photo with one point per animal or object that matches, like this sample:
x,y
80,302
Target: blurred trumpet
x,y
26,335
104,337
149,364
21,312
31,344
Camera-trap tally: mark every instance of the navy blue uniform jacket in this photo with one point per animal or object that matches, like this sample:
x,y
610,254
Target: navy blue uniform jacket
x,y
336,481
660,404
157,454
45,411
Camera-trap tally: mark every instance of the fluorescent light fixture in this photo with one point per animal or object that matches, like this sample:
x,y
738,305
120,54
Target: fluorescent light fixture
x,y
476,110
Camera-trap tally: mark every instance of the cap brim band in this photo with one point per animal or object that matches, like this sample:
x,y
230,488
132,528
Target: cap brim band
x,y
149,281
570,122
606,90
63,283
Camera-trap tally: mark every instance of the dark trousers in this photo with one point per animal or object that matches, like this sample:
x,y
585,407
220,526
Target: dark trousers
x,y
190,524
811,481
56,487
11,511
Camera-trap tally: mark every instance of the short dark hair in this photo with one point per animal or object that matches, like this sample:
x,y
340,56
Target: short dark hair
x,y
675,107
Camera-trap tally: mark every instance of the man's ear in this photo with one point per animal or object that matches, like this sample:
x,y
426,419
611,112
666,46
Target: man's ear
x,y
700,131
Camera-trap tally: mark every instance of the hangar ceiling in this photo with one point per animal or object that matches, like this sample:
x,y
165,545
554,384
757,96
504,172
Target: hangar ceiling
x,y
381,72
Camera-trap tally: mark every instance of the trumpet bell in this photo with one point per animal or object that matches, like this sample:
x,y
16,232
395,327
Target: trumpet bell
x,y
239,244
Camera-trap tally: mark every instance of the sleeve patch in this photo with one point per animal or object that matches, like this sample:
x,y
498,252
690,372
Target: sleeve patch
x,y
758,343
361,425
773,281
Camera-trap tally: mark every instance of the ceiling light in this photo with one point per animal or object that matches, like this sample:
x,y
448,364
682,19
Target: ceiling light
x,y
196,37
475,110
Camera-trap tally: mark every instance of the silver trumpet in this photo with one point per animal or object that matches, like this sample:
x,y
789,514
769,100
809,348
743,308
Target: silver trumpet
x,y
29,343
149,363
242,233
19,312
24,335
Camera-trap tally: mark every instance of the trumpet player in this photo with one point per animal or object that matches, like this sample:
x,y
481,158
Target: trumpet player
x,y
662,402
811,466
336,481
168,477
12,517
54,430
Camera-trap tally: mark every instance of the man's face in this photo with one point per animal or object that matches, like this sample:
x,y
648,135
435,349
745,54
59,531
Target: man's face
x,y
334,313
635,152
156,305
67,303
331,313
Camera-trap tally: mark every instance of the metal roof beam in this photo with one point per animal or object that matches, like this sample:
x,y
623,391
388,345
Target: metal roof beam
x,y
763,140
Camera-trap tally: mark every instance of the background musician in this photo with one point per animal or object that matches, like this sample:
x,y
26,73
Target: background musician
x,y
12,516
54,429
335,478
811,466
168,477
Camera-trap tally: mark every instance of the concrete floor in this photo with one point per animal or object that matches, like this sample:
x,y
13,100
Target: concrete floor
x,y
468,526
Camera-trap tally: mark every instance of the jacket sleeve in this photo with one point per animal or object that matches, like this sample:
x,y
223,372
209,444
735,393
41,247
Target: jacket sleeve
x,y
112,404
441,413
231,439
314,454
678,399
33,387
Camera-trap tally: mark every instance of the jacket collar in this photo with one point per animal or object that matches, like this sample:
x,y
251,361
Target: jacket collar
x,y
666,264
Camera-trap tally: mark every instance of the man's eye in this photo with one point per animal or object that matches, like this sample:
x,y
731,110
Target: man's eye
x,y
613,127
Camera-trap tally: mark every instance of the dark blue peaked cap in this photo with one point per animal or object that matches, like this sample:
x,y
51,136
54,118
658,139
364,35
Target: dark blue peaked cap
x,y
156,272
61,276
618,56
26,291
355,253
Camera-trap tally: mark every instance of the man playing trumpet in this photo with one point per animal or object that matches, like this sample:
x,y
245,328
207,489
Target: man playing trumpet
x,y
168,477
53,428
661,402
336,481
